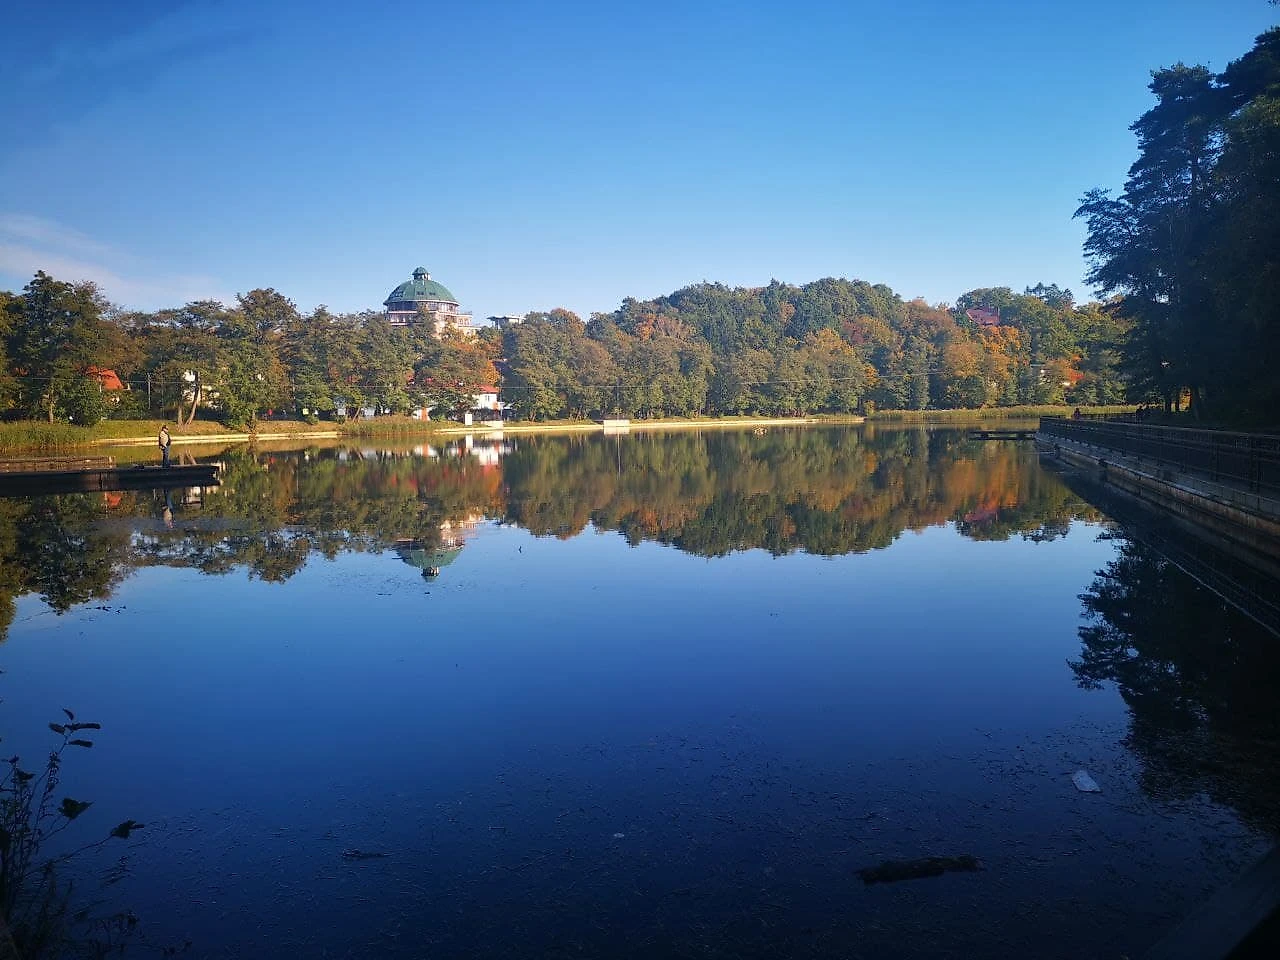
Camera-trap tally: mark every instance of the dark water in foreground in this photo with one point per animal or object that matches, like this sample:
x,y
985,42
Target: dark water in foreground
x,y
665,697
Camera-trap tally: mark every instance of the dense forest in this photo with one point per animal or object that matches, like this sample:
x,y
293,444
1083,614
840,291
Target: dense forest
x,y
830,346
1192,243
834,345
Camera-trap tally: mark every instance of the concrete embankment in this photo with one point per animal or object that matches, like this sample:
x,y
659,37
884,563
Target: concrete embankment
x,y
1228,483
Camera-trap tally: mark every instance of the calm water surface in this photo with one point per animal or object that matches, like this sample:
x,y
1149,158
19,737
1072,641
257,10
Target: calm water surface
x,y
666,695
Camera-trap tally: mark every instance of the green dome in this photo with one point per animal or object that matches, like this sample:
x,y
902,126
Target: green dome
x,y
420,288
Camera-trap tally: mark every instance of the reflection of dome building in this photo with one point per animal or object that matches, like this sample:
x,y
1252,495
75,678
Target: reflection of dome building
x,y
416,554
423,300
435,553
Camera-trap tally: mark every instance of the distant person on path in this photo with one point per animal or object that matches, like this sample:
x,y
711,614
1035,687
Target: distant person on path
x,y
1076,414
164,441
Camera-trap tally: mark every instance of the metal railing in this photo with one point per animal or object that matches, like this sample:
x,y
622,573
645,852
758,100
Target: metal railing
x,y
1247,461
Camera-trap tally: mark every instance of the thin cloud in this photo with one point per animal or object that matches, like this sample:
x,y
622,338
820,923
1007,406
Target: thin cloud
x,y
47,233
29,243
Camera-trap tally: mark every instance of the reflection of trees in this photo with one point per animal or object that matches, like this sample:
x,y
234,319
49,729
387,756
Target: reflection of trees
x,y
243,525
1199,678
52,546
69,561
825,491
271,512
12,574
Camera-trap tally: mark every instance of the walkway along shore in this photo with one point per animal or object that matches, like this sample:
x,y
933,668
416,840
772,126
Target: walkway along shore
x,y
1215,499
1226,482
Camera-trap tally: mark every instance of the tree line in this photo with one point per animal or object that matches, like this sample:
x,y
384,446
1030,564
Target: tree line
x,y
1191,245
234,362
834,346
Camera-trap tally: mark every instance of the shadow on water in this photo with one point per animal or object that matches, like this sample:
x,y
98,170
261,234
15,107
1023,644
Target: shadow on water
x,y
1199,678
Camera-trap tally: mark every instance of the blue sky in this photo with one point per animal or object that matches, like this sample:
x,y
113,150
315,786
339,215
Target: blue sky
x,y
534,155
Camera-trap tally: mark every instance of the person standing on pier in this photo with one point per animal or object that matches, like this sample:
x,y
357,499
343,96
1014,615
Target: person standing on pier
x,y
164,444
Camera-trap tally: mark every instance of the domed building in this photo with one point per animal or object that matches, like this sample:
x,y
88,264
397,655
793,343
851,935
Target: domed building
x,y
423,300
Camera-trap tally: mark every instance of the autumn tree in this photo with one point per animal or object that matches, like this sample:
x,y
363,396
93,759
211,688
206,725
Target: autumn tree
x,y
57,332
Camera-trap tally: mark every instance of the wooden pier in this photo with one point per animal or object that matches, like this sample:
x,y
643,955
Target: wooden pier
x,y
100,477
46,464
1002,434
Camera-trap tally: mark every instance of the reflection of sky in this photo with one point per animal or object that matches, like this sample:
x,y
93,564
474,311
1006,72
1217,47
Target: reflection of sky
x,y
357,683
904,642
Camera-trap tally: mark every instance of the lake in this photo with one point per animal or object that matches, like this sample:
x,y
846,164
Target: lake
x,y
638,696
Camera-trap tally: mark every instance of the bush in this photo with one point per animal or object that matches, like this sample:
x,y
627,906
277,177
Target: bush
x,y
129,405
35,902
84,403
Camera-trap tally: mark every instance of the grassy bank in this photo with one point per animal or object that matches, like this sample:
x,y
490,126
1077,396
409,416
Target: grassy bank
x,y
379,427
36,437
30,436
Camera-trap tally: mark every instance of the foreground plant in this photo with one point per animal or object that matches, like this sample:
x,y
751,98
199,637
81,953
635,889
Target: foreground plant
x,y
37,918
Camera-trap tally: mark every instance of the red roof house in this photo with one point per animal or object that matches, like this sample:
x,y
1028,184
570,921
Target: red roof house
x,y
107,378
982,317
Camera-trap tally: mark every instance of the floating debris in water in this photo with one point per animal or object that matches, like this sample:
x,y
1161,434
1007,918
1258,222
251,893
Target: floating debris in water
x,y
619,836
1085,783
891,871
354,854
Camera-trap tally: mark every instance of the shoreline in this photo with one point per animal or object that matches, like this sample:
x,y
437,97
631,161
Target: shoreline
x,y
589,426
438,429
406,430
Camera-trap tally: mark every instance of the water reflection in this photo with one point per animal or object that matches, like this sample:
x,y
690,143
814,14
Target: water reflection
x,y
53,546
694,767
1199,678
826,492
